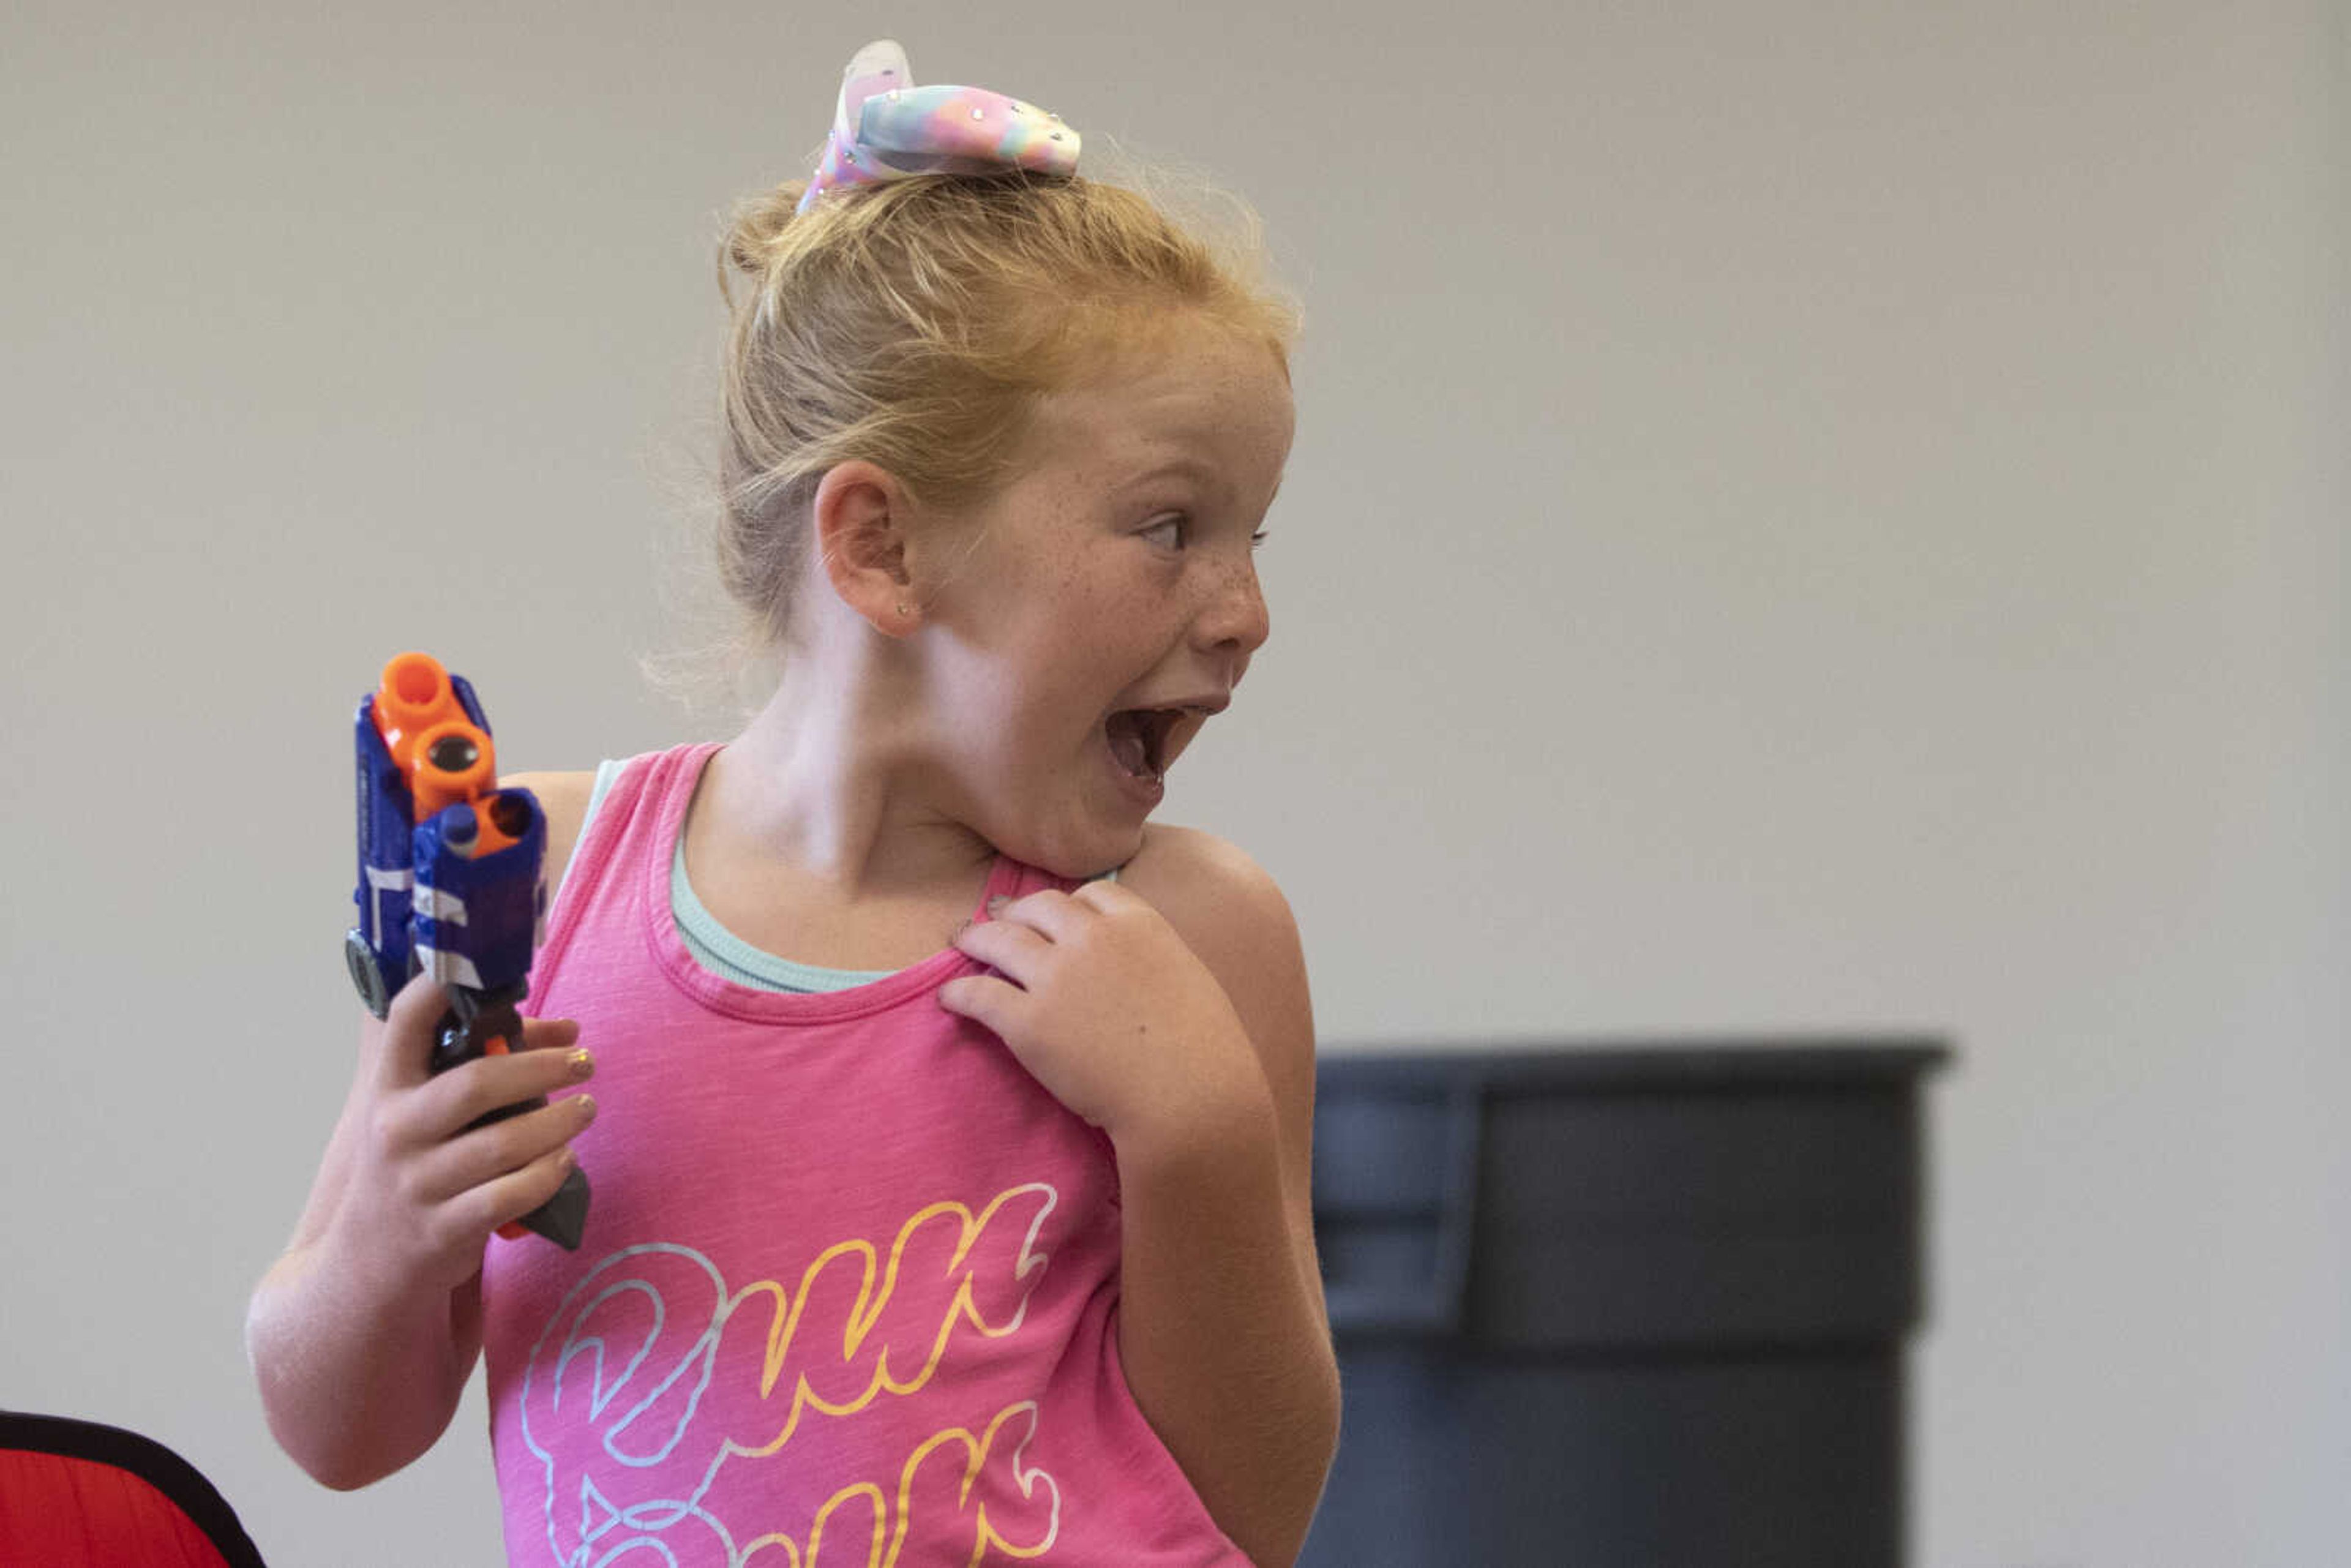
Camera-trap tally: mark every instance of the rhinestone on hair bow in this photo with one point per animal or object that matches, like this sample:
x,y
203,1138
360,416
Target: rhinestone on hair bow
x,y
886,128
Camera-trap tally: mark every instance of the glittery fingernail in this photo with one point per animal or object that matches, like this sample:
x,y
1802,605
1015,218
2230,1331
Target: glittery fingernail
x,y
583,1065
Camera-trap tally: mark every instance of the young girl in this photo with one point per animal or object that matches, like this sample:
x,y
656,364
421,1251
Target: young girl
x,y
950,1118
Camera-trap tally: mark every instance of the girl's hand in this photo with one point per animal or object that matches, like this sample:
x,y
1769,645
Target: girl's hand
x,y
1104,1004
423,1194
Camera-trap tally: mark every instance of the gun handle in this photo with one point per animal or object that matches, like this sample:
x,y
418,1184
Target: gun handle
x,y
562,1218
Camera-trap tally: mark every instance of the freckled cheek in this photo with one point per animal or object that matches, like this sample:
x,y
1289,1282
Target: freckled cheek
x,y
1047,719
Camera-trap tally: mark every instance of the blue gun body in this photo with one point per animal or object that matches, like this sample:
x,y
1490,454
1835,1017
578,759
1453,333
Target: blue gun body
x,y
430,902
424,904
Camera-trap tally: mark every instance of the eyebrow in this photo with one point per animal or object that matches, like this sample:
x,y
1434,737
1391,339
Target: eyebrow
x,y
1189,467
1193,468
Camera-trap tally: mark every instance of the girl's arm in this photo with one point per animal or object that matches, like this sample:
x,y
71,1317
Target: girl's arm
x,y
1223,1329
362,1334
362,1339
299,1336
1170,1009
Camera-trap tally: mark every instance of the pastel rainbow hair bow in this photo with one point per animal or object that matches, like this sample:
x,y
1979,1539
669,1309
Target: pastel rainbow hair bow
x,y
886,128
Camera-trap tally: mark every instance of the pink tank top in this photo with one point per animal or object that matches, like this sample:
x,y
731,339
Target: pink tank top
x,y
849,1291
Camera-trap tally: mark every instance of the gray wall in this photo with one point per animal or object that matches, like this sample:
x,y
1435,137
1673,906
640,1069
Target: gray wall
x,y
1805,516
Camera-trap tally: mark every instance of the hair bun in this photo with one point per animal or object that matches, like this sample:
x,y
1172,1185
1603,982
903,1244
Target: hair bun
x,y
755,226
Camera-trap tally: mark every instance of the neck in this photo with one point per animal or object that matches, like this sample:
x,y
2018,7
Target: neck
x,y
832,780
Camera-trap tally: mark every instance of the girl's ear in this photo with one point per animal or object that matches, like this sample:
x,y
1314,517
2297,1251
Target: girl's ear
x,y
863,519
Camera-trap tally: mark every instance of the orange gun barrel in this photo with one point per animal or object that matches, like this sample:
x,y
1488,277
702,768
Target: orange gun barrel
x,y
447,757
454,761
413,696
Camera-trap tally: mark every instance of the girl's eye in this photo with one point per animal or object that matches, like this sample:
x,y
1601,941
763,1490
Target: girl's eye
x,y
1172,529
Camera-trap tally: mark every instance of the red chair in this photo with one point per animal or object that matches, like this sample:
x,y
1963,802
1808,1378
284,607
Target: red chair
x,y
75,1494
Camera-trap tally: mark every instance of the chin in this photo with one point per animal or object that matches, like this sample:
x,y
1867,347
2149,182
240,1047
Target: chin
x,y
1078,857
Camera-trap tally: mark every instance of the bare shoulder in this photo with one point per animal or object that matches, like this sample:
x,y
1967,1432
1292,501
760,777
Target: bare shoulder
x,y
1229,911
1200,881
563,797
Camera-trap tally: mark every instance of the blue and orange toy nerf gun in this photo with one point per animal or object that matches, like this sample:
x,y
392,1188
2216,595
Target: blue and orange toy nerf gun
x,y
450,883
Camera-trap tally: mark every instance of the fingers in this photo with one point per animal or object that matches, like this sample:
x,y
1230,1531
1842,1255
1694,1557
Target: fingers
x,y
404,1042
1107,898
1004,944
482,1210
549,1034
435,1178
1056,914
442,1107
484,1155
411,1027
984,1000
1062,916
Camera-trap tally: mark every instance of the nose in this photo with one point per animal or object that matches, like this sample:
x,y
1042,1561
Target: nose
x,y
1233,623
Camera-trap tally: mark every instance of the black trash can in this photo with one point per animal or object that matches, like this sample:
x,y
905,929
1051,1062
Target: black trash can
x,y
1620,1306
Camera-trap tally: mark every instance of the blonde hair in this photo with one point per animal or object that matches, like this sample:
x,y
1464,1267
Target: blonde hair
x,y
916,325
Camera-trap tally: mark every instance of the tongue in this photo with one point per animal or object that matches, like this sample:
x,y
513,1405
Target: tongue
x,y
1126,746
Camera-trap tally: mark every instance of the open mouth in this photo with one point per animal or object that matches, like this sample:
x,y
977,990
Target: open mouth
x,y
1139,738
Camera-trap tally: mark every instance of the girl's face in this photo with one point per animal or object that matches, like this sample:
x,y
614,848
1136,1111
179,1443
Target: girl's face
x,y
1108,602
